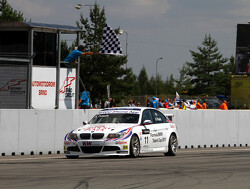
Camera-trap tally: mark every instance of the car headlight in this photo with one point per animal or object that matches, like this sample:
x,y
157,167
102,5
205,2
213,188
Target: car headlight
x,y
116,135
72,136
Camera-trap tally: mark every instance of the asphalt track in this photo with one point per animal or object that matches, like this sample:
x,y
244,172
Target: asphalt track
x,y
210,168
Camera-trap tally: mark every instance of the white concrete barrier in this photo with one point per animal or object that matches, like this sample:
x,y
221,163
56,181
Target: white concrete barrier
x,y
24,132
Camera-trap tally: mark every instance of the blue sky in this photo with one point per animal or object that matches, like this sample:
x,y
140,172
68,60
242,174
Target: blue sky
x,y
159,28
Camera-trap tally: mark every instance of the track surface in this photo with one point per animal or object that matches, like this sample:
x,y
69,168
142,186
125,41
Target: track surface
x,y
191,169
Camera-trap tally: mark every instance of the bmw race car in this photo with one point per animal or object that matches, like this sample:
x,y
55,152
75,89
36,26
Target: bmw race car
x,y
123,131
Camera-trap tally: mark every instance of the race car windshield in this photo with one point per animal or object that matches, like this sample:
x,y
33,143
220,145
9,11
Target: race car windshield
x,y
115,118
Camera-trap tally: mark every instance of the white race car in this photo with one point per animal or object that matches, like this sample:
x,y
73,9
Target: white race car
x,y
123,131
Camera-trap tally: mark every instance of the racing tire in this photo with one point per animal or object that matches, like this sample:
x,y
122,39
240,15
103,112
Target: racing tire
x,y
172,146
72,157
134,148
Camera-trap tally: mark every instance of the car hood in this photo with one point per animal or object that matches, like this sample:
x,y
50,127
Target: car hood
x,y
103,128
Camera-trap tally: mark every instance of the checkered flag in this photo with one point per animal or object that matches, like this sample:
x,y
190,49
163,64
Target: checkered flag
x,y
110,42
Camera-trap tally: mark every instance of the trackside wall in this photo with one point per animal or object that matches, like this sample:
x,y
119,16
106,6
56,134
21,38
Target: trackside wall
x,y
32,131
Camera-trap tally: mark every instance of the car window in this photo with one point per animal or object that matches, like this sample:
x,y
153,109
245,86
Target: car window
x,y
158,117
115,118
146,115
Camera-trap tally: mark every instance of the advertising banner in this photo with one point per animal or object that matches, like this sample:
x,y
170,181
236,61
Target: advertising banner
x,y
67,88
13,86
43,87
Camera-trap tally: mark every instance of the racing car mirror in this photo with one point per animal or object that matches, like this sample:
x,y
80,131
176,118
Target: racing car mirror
x,y
147,122
85,122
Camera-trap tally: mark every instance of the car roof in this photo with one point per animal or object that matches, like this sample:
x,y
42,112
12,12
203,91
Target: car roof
x,y
128,108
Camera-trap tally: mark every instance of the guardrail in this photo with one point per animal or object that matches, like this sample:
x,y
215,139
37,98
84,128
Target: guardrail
x,y
32,131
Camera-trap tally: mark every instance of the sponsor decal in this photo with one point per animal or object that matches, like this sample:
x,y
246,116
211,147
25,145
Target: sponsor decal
x,y
158,134
96,128
87,143
145,131
119,112
158,119
125,147
159,140
172,126
121,142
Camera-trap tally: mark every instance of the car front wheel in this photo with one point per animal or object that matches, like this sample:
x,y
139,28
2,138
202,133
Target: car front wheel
x,y
134,146
172,146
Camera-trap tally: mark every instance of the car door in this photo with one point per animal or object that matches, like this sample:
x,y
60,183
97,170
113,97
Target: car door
x,y
146,129
158,130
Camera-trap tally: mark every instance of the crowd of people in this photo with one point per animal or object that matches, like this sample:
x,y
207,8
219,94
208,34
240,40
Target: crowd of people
x,y
85,103
182,104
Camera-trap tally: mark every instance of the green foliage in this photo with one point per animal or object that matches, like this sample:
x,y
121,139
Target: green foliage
x,y
223,79
64,50
8,14
143,82
183,84
152,84
208,68
170,85
101,70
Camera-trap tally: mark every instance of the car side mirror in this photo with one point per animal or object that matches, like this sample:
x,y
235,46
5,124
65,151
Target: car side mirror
x,y
147,122
85,122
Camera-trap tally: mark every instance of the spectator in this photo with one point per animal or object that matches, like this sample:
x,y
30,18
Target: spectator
x,y
84,101
138,104
154,103
165,105
133,103
170,104
160,104
198,105
112,103
223,106
107,103
130,102
204,105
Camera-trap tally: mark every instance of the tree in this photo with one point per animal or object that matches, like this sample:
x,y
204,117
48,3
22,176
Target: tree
x,y
8,14
207,67
101,70
160,85
223,79
183,84
170,85
143,81
152,84
65,50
